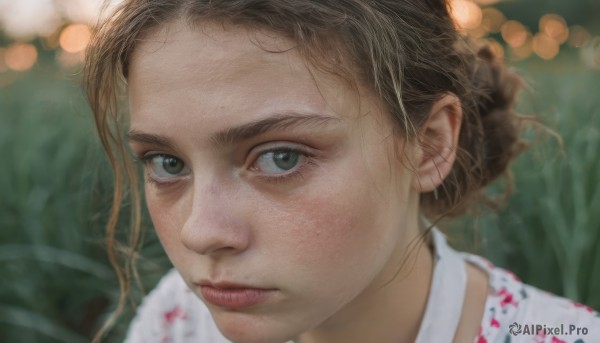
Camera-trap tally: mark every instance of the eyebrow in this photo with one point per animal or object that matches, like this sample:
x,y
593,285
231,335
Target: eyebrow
x,y
230,136
278,121
155,140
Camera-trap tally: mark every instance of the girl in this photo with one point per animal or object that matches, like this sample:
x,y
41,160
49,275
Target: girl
x,y
294,151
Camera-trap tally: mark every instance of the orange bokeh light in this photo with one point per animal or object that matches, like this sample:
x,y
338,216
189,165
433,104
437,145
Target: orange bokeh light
x,y
523,51
477,33
514,33
75,38
20,57
492,20
467,14
545,46
555,27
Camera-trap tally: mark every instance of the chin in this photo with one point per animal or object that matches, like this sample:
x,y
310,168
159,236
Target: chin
x,y
255,339
241,328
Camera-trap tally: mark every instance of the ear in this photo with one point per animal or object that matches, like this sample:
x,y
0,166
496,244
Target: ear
x,y
437,143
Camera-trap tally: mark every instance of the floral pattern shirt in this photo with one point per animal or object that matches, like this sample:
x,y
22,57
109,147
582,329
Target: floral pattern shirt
x,y
514,312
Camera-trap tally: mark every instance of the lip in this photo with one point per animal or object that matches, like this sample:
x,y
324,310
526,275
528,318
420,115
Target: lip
x,y
233,295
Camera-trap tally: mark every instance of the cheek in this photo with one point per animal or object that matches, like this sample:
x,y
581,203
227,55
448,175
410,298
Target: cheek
x,y
336,232
328,229
168,216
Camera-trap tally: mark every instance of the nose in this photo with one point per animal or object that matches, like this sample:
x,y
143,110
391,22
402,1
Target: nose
x,y
215,225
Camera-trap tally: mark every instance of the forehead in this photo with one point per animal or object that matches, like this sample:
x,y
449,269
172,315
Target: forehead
x,y
219,74
208,45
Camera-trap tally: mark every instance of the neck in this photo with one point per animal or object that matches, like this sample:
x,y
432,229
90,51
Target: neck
x,y
390,309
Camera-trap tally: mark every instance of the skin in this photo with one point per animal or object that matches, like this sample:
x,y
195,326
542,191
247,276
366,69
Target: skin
x,y
331,238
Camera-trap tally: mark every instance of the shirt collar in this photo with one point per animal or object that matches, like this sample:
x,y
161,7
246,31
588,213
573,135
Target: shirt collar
x,y
446,295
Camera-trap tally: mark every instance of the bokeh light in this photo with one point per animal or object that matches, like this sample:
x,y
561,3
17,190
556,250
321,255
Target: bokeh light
x,y
492,20
524,51
20,57
555,27
579,36
467,15
478,32
545,46
514,33
28,19
75,38
480,20
81,11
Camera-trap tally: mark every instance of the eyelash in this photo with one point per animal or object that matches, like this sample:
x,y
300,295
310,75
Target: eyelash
x,y
145,159
306,162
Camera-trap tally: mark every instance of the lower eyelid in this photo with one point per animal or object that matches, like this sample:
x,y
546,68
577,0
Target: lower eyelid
x,y
151,176
149,179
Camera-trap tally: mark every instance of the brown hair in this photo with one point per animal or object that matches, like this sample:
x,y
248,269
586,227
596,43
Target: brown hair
x,y
407,51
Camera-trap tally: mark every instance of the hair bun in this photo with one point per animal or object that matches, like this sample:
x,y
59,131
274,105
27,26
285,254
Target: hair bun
x,y
495,86
495,91
490,133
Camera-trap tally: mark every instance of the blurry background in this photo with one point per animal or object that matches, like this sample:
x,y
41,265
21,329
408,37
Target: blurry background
x,y
55,186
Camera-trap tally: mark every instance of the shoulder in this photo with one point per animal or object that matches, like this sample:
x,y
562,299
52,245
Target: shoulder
x,y
517,312
172,313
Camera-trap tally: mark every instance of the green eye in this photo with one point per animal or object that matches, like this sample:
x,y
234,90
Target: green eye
x,y
278,161
165,167
172,165
286,160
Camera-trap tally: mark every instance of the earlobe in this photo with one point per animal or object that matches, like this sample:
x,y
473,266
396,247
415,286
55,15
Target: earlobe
x,y
438,143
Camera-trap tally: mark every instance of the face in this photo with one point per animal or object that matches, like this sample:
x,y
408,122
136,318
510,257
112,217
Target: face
x,y
265,172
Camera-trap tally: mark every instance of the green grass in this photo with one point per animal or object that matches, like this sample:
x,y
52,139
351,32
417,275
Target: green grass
x,y
55,193
56,284
549,233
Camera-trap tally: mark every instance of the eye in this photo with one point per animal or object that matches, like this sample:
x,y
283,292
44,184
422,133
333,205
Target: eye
x,y
278,161
165,168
